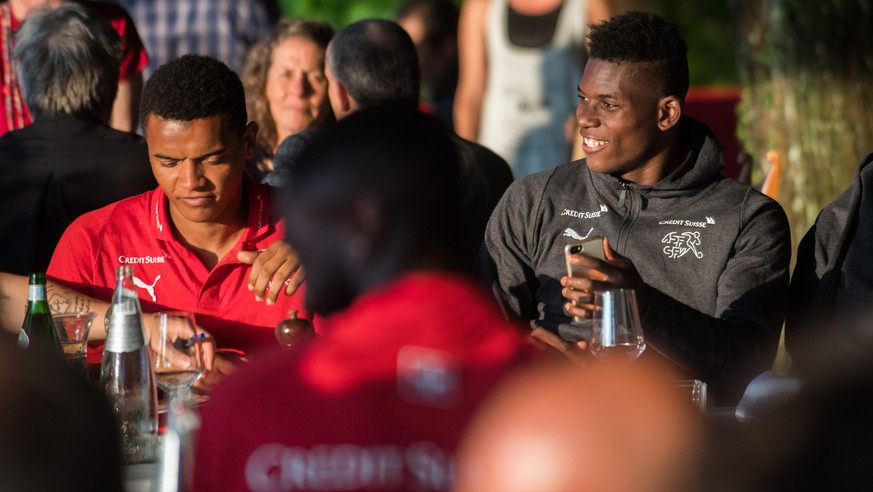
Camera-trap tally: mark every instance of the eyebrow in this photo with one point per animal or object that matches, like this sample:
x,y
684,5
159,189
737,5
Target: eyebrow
x,y
601,96
198,158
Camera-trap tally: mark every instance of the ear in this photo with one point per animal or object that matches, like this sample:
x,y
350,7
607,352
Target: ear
x,y
344,104
250,139
669,112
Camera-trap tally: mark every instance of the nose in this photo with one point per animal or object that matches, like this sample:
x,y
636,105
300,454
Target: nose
x,y
299,85
190,174
586,114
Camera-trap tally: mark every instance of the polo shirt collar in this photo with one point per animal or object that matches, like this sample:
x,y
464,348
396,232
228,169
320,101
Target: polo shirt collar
x,y
258,225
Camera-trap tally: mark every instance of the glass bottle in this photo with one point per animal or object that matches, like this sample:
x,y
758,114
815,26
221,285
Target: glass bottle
x,y
38,329
126,374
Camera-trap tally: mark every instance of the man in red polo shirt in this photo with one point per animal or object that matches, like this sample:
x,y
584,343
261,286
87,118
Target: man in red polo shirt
x,y
410,347
184,238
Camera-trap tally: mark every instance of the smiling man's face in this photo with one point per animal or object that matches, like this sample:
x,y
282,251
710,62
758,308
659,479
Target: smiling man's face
x,y
617,116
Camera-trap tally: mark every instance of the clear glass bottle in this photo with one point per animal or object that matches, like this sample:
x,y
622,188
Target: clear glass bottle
x,y
126,374
38,329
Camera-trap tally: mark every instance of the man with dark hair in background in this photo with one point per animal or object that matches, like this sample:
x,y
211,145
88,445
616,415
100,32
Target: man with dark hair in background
x,y
373,63
411,345
707,256
68,161
191,240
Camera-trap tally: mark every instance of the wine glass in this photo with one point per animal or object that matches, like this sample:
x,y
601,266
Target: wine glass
x,y
617,334
177,343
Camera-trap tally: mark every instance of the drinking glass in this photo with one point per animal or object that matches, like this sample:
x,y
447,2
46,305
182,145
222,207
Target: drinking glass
x,y
617,334
696,390
176,342
73,329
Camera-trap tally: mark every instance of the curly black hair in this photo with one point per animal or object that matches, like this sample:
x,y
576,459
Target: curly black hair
x,y
643,37
193,87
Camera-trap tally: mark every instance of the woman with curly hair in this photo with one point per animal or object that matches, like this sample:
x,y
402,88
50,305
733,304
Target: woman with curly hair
x,y
286,89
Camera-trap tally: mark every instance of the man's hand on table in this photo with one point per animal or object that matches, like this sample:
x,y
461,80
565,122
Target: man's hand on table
x,y
616,272
272,269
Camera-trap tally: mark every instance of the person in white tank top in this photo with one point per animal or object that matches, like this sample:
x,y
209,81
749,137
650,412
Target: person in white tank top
x,y
517,100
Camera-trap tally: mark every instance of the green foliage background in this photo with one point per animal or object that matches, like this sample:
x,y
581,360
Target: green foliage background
x,y
339,12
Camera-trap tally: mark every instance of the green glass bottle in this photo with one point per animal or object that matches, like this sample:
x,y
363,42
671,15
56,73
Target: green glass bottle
x,y
38,330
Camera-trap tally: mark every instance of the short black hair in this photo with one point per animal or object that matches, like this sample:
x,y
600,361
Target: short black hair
x,y
400,155
377,62
194,87
643,37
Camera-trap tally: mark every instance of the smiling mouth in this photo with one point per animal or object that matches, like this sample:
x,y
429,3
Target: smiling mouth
x,y
592,143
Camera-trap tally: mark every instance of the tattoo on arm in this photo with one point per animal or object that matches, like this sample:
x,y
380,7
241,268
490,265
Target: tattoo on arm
x,y
61,301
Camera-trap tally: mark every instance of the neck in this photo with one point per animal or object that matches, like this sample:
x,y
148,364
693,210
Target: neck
x,y
210,241
393,265
656,170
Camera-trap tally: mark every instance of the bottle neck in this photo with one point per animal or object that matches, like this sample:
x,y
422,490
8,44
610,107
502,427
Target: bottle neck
x,y
35,293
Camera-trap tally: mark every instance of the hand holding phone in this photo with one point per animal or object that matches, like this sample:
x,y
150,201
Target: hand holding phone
x,y
592,247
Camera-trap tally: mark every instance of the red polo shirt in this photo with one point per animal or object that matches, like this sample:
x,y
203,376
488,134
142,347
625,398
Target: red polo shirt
x,y
378,403
137,231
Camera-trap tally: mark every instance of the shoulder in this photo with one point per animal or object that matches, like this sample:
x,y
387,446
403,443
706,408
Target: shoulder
x,y
13,140
560,179
114,215
127,141
291,148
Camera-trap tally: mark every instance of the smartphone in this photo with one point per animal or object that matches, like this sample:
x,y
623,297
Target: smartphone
x,y
593,247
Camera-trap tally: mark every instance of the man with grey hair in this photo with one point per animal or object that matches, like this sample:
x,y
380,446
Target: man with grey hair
x,y
373,62
69,161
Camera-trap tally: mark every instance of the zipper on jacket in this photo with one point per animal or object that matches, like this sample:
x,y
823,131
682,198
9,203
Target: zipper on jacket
x,y
623,195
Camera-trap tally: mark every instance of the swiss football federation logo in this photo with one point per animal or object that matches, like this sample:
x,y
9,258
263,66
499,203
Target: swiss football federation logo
x,y
680,243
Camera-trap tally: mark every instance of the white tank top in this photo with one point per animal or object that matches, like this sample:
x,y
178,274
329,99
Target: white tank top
x,y
530,92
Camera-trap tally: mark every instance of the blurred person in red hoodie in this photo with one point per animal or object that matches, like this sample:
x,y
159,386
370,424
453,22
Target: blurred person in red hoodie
x,y
411,344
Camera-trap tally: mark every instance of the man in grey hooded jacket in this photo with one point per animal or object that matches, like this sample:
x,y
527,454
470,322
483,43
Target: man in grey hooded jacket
x,y
707,256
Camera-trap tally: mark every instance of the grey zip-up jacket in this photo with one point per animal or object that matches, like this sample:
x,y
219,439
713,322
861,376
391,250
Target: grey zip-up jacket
x,y
714,252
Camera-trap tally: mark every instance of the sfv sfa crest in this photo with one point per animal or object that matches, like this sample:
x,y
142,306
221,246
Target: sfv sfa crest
x,y
680,243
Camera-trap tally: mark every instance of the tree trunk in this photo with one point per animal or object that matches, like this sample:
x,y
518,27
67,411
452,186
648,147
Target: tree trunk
x,y
806,68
